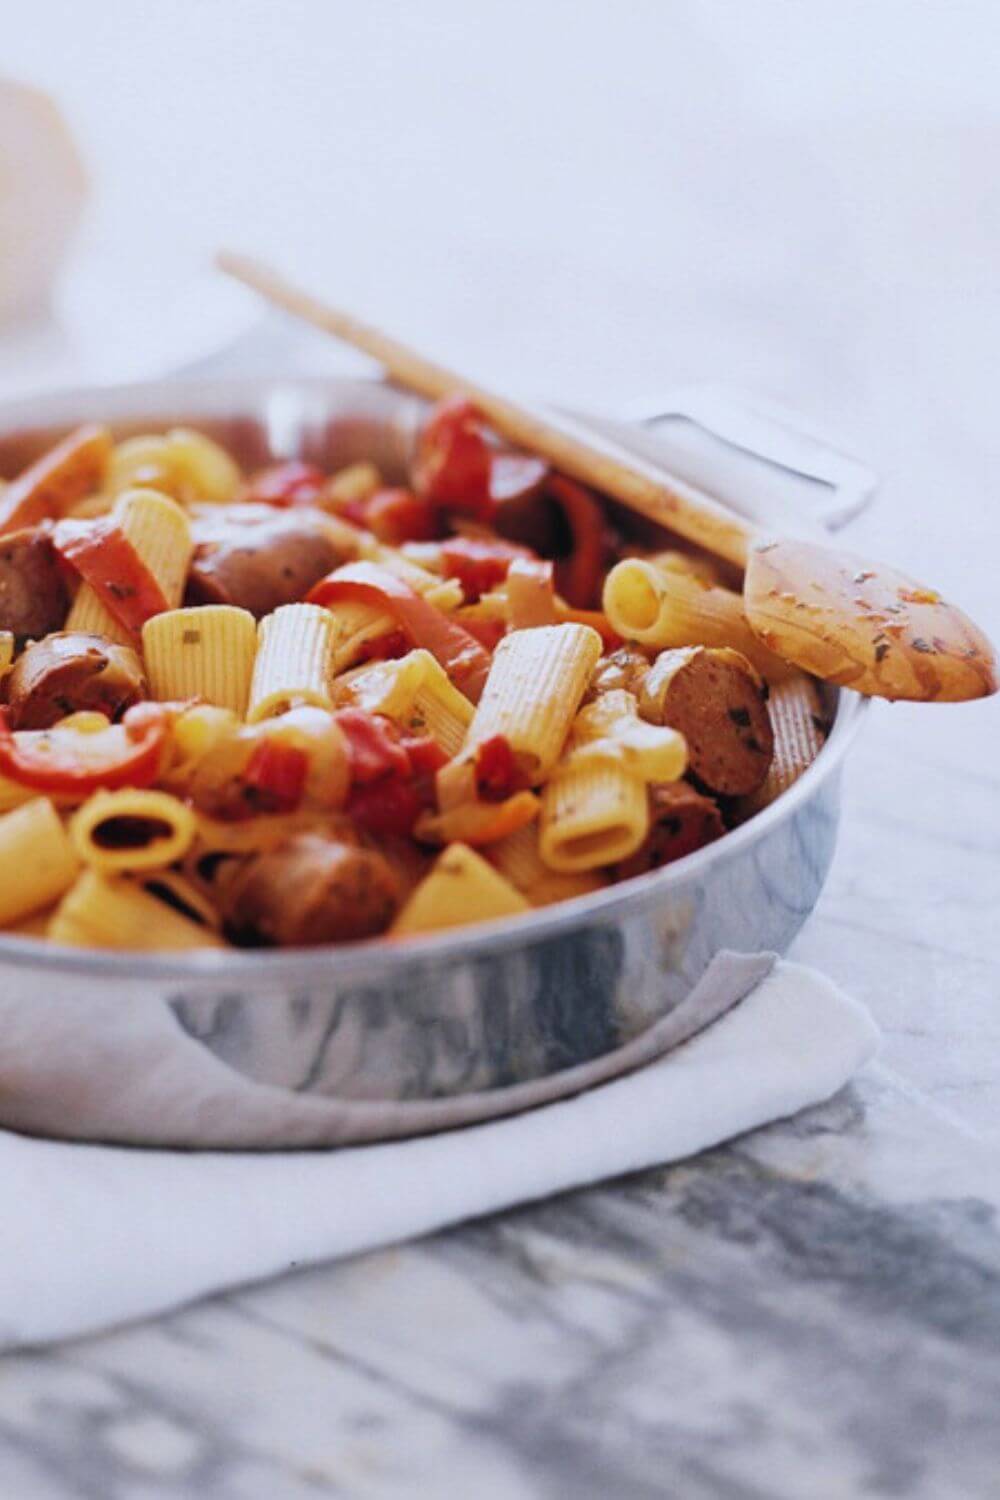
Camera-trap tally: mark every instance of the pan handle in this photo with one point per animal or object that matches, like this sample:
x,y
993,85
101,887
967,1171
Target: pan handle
x,y
755,456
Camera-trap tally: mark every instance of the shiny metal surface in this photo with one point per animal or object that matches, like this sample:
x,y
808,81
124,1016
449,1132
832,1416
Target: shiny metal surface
x,y
232,1049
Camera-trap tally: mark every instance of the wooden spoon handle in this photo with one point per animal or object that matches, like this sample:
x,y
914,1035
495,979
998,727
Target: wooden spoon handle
x,y
567,445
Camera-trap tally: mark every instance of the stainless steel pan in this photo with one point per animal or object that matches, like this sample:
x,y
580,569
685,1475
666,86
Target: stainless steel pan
x,y
275,1048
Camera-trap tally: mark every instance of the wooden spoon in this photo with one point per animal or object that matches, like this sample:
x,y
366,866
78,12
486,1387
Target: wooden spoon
x,y
852,622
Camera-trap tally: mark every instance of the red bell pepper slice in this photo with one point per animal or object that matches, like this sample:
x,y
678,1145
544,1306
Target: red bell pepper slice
x,y
70,470
516,476
496,769
275,776
104,557
392,775
579,574
384,807
452,464
293,482
479,563
64,761
463,658
398,515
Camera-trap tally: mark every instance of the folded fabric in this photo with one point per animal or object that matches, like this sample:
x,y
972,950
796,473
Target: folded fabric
x,y
97,1235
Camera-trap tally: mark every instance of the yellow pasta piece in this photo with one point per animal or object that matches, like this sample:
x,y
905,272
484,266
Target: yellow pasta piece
x,y
293,663
205,653
519,860
594,811
798,720
36,926
104,911
186,465
611,728
353,485
534,688
132,829
6,651
37,860
161,534
460,888
664,607
248,835
416,693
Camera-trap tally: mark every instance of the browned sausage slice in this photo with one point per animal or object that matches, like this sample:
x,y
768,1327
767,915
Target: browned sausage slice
x,y
65,673
258,558
307,891
718,702
681,820
33,596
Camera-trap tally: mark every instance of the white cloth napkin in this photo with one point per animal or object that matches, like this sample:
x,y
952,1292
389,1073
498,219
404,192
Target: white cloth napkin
x,y
97,1235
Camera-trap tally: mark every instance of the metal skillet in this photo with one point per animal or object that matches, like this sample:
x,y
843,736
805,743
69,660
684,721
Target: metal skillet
x,y
250,1049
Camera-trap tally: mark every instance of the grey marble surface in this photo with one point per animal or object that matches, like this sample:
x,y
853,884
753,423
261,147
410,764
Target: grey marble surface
x,y
809,210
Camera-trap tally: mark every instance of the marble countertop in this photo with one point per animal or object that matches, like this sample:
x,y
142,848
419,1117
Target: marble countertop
x,y
813,1310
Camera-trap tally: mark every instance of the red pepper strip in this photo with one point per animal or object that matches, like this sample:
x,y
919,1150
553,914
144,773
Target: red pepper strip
x,y
373,746
488,632
452,465
579,574
66,761
496,769
516,476
479,563
275,776
290,483
50,486
104,557
398,515
461,655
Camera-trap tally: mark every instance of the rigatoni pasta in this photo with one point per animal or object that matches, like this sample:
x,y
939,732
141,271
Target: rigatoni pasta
x,y
132,829
37,860
206,653
460,888
294,661
159,531
102,911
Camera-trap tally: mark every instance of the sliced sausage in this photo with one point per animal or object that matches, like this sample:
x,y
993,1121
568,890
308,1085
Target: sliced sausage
x,y
624,670
681,820
716,699
66,673
307,891
258,557
33,594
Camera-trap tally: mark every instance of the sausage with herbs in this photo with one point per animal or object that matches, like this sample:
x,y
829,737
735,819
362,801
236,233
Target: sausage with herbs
x,y
258,557
69,672
681,820
33,595
718,702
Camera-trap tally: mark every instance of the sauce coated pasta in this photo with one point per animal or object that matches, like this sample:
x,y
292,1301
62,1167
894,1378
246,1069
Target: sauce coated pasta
x,y
291,707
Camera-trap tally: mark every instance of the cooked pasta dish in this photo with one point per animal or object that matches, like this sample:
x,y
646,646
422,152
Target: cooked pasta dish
x,y
290,708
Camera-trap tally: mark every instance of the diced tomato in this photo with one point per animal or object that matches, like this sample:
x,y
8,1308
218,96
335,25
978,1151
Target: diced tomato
x,y
516,476
496,769
275,776
479,563
104,557
293,482
373,745
64,761
461,655
385,806
425,754
488,631
386,647
398,515
452,465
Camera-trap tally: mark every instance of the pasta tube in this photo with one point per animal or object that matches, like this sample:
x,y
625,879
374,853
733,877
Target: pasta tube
x,y
6,651
417,694
534,688
205,653
186,465
293,661
460,888
111,912
114,832
610,728
518,859
594,812
798,722
37,860
159,531
665,607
